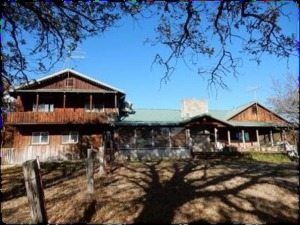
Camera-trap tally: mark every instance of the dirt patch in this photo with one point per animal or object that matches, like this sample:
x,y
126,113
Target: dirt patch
x,y
172,192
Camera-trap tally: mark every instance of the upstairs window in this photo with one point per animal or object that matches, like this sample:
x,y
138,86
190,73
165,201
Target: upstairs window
x,y
69,82
43,108
70,137
95,107
39,138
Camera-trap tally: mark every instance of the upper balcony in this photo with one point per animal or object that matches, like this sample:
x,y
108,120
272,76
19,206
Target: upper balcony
x,y
62,116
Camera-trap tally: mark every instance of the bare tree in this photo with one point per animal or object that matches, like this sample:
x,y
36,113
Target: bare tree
x,y
52,29
285,98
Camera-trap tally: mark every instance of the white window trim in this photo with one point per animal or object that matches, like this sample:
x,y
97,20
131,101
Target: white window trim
x,y
69,139
40,138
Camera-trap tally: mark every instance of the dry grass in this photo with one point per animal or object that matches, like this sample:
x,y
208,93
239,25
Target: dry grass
x,y
173,192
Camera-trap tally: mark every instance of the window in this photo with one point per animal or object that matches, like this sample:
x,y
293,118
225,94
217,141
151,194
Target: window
x,y
238,136
95,107
39,138
70,137
43,108
69,82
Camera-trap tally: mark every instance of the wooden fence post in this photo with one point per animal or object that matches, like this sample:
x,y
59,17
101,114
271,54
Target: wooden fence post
x,y
90,172
34,190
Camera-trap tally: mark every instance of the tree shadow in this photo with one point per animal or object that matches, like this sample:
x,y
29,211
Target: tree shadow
x,y
53,173
163,198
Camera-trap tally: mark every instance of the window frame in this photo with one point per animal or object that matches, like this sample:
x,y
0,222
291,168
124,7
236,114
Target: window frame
x,y
69,133
40,138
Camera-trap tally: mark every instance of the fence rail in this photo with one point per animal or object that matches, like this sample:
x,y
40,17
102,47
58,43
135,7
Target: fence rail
x,y
45,153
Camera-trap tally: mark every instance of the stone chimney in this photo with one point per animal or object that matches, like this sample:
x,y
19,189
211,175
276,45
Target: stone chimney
x,y
193,107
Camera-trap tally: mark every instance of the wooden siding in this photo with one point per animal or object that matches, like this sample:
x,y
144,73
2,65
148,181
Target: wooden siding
x,y
61,116
259,114
59,82
88,137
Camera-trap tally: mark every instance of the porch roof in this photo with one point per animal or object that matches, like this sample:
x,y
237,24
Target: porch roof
x,y
173,117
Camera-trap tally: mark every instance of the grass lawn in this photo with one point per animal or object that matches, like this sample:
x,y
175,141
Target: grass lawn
x,y
214,190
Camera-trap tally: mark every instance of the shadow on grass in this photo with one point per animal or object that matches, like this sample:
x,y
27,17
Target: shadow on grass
x,y
162,199
53,173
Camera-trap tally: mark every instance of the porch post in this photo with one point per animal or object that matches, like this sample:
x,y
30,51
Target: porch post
x,y
188,137
37,102
257,137
116,101
284,135
134,139
152,138
228,136
91,102
216,137
271,138
170,143
243,138
64,101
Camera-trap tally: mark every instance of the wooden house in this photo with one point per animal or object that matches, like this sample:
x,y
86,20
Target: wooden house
x,y
63,114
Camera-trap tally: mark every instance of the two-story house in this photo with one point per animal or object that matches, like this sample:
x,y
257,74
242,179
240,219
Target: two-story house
x,y
63,114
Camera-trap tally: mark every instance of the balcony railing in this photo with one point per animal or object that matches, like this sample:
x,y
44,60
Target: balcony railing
x,y
62,116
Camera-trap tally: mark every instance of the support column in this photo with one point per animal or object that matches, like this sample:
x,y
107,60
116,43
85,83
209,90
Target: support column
x,y
271,138
116,101
216,136
152,138
228,137
134,139
91,102
64,101
37,102
257,137
170,143
188,138
243,138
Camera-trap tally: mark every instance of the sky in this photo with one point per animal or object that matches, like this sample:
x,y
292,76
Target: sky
x,y
120,58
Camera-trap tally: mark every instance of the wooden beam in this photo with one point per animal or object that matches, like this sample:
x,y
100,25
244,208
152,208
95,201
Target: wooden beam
x,y
228,137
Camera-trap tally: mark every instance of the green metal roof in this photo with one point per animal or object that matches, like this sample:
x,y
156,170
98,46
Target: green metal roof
x,y
153,116
173,117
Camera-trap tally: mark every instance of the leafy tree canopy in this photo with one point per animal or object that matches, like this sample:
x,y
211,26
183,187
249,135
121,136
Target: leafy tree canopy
x,y
184,27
